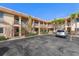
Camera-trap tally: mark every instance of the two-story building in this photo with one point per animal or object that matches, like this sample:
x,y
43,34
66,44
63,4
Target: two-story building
x,y
13,23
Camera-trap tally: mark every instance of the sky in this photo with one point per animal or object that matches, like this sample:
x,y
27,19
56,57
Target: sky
x,y
44,11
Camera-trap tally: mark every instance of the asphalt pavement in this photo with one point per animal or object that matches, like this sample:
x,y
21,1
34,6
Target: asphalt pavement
x,y
47,45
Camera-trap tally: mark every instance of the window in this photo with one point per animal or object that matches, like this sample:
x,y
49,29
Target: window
x,y
1,15
16,19
1,30
77,19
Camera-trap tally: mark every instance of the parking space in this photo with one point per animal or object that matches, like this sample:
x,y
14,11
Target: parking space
x,y
47,45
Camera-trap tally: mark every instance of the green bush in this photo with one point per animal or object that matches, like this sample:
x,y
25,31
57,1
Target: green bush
x,y
3,38
44,32
31,34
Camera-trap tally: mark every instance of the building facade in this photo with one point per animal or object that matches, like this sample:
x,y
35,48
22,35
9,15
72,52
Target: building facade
x,y
72,25
14,24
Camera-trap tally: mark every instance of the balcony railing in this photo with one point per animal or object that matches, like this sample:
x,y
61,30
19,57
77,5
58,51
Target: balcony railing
x,y
42,25
35,24
24,24
16,22
68,24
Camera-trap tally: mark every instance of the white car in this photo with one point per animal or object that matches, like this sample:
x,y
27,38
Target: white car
x,y
61,33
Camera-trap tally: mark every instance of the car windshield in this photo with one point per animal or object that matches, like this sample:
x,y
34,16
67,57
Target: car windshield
x,y
60,31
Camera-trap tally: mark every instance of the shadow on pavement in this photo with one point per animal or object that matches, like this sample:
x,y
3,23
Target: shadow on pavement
x,y
3,50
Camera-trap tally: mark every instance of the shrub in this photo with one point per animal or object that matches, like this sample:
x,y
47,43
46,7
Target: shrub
x,y
31,34
3,38
44,32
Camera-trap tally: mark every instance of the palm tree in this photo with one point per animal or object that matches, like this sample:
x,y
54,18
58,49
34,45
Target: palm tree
x,y
30,24
54,22
72,19
72,16
58,22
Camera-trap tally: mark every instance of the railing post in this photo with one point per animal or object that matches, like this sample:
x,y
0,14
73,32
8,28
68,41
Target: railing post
x,y
20,26
39,29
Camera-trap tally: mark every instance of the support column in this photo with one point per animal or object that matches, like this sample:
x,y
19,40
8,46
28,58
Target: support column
x,y
39,29
65,25
43,24
54,26
33,26
72,25
48,28
43,27
20,26
75,26
12,31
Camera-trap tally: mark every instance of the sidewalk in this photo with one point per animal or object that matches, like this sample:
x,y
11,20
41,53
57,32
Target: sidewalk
x,y
75,35
23,37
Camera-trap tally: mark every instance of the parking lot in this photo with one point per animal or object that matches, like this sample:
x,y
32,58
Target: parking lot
x,y
47,45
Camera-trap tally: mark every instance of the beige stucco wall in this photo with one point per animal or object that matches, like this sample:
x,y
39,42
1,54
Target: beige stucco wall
x,y
77,24
8,18
73,27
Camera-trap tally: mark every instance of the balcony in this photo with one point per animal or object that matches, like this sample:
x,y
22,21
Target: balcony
x,y
50,26
24,23
35,24
16,21
68,24
41,24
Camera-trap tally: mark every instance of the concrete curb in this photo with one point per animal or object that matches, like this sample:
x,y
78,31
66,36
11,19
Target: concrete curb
x,y
19,38
75,35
